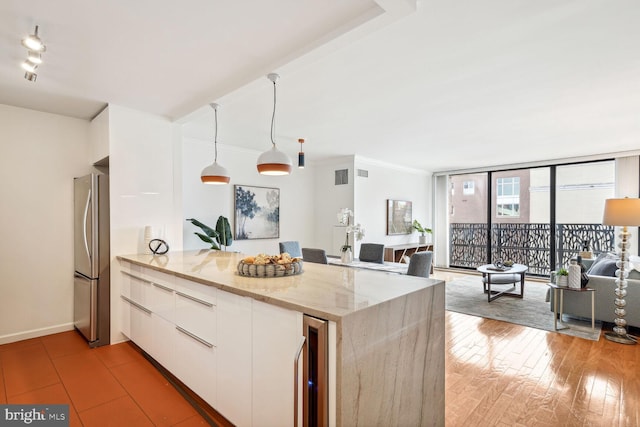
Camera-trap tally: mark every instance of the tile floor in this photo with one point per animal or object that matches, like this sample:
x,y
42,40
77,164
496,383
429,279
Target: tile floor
x,y
107,386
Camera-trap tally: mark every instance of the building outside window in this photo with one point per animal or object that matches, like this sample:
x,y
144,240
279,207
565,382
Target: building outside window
x,y
508,197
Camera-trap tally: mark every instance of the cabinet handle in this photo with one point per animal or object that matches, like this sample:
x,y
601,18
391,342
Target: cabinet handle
x,y
295,381
157,285
195,337
135,304
198,300
136,277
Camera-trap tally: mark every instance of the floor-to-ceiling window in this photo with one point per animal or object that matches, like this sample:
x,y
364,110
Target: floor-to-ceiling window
x,y
581,190
538,216
468,198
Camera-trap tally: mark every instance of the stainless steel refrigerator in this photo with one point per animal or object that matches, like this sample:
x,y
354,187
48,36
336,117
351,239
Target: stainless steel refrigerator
x,y
91,296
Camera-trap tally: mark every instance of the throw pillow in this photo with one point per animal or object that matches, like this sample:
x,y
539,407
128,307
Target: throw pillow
x,y
604,265
634,274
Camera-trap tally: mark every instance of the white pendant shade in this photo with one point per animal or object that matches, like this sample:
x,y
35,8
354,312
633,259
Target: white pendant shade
x,y
215,174
274,162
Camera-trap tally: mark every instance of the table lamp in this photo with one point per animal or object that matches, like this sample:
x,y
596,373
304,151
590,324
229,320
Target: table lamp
x,y
625,213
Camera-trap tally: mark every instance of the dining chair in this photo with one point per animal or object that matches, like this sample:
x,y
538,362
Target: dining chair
x,y
420,264
318,256
291,247
372,252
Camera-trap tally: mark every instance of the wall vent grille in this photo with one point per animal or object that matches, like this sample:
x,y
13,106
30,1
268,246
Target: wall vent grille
x,y
342,176
363,173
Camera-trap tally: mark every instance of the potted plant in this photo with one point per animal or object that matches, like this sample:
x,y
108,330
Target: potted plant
x,y
422,230
221,236
562,277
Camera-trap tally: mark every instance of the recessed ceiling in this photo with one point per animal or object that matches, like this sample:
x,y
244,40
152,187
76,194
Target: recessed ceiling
x,y
444,85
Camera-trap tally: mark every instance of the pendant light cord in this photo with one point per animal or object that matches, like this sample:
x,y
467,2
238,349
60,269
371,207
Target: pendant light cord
x,y
273,116
215,137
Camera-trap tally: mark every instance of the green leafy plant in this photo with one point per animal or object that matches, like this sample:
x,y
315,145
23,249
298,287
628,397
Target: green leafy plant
x,y
562,272
221,236
418,227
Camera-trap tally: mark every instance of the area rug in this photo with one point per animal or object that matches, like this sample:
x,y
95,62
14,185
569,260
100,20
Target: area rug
x,y
465,295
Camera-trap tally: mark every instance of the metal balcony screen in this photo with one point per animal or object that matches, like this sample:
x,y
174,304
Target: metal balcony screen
x,y
525,244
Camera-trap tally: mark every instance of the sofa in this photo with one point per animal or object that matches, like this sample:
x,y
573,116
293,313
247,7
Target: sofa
x,y
578,304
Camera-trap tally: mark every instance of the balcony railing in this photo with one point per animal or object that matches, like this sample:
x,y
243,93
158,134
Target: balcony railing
x,y
525,243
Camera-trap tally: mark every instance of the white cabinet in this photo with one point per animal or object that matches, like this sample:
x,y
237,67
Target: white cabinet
x,y
237,353
195,364
234,358
138,323
163,345
277,335
99,136
195,309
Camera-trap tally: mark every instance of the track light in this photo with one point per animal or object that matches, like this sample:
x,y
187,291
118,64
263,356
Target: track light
x,y
28,66
214,173
274,161
34,57
33,42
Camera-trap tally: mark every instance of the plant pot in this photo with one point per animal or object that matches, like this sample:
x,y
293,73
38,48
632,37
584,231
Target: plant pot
x,y
422,239
347,256
562,280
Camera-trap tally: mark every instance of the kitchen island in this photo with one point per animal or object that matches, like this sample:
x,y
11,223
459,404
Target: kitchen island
x,y
386,337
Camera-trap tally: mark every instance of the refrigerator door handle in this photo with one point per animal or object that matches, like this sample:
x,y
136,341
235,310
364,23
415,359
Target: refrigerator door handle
x,y
84,226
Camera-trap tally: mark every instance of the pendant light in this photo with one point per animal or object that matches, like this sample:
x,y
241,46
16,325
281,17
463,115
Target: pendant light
x,y
274,161
301,154
214,173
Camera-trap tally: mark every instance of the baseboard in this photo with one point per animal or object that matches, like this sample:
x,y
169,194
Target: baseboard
x,y
35,333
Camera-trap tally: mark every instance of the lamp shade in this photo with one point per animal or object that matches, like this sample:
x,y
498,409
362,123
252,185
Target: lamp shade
x,y
622,212
274,162
215,174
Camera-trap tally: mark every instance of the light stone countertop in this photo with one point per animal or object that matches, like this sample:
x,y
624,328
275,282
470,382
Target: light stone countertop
x,y
326,291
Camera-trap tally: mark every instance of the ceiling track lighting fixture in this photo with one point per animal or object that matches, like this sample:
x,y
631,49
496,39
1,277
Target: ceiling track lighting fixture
x,y
301,154
214,173
274,161
34,55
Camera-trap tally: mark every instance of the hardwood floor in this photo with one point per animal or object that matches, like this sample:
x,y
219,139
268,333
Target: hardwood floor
x,y
501,374
497,374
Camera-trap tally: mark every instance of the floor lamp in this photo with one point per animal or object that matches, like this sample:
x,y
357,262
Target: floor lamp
x,y
624,213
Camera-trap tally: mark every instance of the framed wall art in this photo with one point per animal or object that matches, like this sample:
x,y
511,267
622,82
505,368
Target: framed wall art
x,y
257,212
399,217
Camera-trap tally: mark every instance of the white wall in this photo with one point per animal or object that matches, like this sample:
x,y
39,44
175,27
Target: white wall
x,y
144,188
207,202
329,199
384,182
40,154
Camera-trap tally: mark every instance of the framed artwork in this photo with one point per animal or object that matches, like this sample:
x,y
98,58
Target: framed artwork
x,y
257,212
399,217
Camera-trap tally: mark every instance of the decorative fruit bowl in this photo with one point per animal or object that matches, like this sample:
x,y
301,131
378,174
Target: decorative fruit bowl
x,y
270,266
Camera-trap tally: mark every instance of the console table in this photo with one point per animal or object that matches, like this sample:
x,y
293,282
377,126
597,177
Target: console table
x,y
395,253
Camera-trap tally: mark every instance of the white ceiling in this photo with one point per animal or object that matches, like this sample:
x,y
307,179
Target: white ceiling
x,y
448,84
